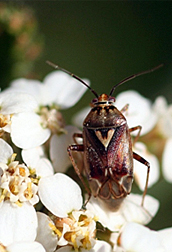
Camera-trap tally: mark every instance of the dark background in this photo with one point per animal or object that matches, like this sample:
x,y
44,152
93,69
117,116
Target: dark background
x,y
107,41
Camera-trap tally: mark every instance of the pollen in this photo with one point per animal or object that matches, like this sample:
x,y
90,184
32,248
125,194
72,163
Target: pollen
x,y
28,192
2,248
55,230
78,229
4,120
52,119
16,184
4,194
22,171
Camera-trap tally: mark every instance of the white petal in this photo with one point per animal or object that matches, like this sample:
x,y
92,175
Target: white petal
x,y
164,112
165,236
111,220
6,151
67,89
58,149
27,132
130,210
167,161
160,105
11,103
100,246
32,156
37,89
35,158
44,168
65,249
60,194
45,234
133,211
140,110
136,237
114,239
165,123
26,247
140,170
32,87
62,241
18,223
79,117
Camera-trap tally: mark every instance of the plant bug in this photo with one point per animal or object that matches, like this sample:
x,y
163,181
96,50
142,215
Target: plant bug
x,y
107,148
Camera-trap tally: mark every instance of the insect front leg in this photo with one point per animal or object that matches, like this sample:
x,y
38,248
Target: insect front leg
x,y
143,161
78,148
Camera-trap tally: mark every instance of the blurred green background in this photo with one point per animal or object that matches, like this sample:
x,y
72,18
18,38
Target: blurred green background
x,y
105,41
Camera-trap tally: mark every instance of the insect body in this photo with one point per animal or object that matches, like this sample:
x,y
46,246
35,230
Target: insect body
x,y
107,149
108,157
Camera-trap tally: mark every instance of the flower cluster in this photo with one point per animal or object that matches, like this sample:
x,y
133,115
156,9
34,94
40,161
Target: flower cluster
x,y
42,208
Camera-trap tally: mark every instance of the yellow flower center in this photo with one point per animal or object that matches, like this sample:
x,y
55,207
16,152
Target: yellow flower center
x,y
79,231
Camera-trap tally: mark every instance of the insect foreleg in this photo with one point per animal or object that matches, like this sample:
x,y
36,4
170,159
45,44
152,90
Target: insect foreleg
x,y
143,161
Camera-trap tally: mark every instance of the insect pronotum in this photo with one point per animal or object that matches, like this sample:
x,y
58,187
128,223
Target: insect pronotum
x,y
107,148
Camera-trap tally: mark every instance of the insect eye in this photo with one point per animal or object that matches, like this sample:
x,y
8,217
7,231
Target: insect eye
x,y
94,100
111,99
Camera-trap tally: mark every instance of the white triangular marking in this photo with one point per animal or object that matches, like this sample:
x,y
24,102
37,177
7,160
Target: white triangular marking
x,y
105,140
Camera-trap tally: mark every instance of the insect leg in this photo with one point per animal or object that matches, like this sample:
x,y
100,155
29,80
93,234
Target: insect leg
x,y
143,161
76,137
125,108
78,148
139,128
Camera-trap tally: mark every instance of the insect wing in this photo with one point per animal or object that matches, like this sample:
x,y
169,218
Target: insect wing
x,y
108,159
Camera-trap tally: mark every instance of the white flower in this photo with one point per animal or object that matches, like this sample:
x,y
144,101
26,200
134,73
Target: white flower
x,y
23,247
16,184
58,91
78,229
37,161
167,161
80,116
135,237
164,127
17,223
45,234
130,210
164,112
27,132
60,194
100,246
62,197
165,236
12,104
58,148
140,110
57,87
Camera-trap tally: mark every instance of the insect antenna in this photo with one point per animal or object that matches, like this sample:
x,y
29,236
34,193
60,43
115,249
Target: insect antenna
x,y
73,75
134,76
